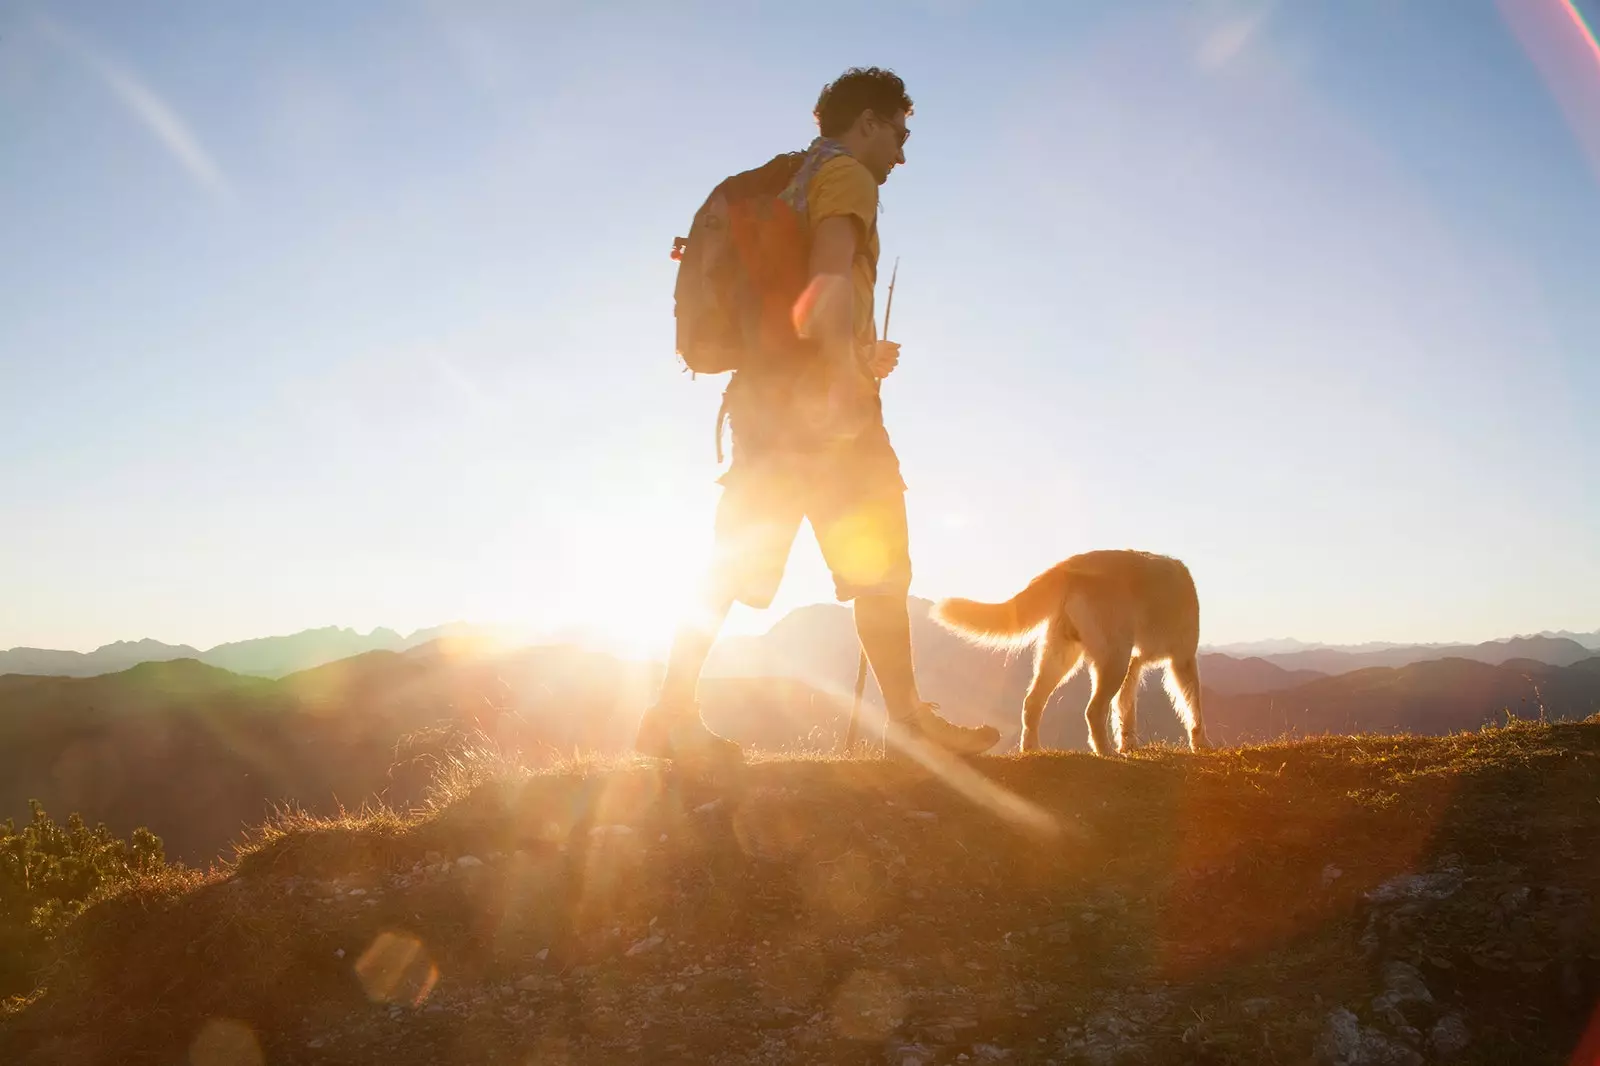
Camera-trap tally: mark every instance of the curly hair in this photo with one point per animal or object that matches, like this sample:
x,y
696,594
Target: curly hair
x,y
856,90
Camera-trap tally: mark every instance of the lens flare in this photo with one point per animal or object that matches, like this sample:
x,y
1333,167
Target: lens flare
x,y
1566,52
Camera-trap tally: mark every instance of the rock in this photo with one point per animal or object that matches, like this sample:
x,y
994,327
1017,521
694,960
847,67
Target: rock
x,y
1256,1007
356,892
1438,884
1346,1042
1118,1032
468,862
1402,983
1330,874
707,808
649,943
432,858
923,816
531,983
1449,1036
542,954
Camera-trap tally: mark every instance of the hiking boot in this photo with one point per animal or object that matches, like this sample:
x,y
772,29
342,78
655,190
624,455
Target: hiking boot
x,y
923,725
682,735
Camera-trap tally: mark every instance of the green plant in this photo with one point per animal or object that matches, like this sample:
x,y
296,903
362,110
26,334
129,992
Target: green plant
x,y
49,872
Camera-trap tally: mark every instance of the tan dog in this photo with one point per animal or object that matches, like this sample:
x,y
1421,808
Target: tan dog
x,y
1121,611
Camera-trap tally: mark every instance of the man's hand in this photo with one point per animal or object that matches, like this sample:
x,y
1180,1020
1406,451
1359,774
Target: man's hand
x,y
883,358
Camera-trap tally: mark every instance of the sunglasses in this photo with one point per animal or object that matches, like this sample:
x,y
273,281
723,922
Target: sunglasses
x,y
901,133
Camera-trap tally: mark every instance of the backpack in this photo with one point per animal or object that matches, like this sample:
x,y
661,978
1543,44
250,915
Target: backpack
x,y
743,265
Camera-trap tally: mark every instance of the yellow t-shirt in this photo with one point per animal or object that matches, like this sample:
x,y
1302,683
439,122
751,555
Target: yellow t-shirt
x,y
843,187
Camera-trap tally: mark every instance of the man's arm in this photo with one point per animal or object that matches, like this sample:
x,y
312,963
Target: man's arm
x,y
830,298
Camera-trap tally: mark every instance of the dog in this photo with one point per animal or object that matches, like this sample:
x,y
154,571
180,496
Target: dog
x,y
1122,612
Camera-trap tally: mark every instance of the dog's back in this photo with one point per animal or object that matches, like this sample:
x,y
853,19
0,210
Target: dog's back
x,y
1146,601
1136,599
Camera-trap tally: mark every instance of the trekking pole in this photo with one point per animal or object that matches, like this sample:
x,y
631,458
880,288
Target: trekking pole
x,y
852,733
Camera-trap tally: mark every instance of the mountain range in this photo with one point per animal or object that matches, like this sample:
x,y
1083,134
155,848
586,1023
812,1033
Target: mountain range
x,y
261,656
197,752
279,656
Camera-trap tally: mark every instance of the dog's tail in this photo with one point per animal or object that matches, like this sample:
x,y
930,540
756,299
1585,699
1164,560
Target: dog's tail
x,y
1013,621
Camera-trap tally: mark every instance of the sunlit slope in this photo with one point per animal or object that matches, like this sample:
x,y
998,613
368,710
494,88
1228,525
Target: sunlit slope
x,y
1344,899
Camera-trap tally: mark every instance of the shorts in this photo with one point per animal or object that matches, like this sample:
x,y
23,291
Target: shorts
x,y
856,503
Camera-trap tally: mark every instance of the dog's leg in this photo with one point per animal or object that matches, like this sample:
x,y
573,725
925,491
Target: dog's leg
x,y
1109,670
1127,721
1183,683
1056,656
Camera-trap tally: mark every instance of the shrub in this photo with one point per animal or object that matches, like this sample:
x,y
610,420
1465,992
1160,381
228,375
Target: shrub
x,y
48,874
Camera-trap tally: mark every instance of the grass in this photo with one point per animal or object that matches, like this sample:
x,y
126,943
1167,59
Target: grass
x,y
1211,908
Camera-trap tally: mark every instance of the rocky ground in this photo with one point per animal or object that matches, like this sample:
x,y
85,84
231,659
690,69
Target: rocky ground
x,y
1342,901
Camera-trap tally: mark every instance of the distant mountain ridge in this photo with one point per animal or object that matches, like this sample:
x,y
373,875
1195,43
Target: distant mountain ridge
x,y
1283,646
275,656
279,656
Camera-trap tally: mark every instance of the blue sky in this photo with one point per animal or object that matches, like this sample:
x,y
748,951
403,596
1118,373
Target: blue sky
x,y
361,314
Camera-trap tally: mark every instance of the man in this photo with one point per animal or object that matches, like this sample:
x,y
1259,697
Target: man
x,y
809,442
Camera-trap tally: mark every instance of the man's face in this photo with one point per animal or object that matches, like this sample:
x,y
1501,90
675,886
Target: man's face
x,y
886,140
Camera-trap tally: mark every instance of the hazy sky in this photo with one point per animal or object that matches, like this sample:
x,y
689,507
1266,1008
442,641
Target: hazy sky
x,y
361,313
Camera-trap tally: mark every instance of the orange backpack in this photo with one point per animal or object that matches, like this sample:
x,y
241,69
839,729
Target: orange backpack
x,y
741,269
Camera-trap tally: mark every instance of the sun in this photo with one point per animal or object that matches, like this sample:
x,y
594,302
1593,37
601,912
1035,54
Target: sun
x,y
618,576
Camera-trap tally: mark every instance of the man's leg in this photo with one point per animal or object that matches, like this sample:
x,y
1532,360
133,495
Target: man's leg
x,y
883,623
757,518
692,645
867,548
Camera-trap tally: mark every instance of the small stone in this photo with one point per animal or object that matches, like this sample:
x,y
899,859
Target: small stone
x,y
531,983
542,954
924,816
468,862
649,943
707,808
432,858
338,953
1402,983
1435,885
1330,874
1256,1007
356,892
1346,1042
1449,1036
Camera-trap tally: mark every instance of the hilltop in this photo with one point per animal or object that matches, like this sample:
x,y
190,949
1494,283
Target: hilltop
x,y
1338,900
198,754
